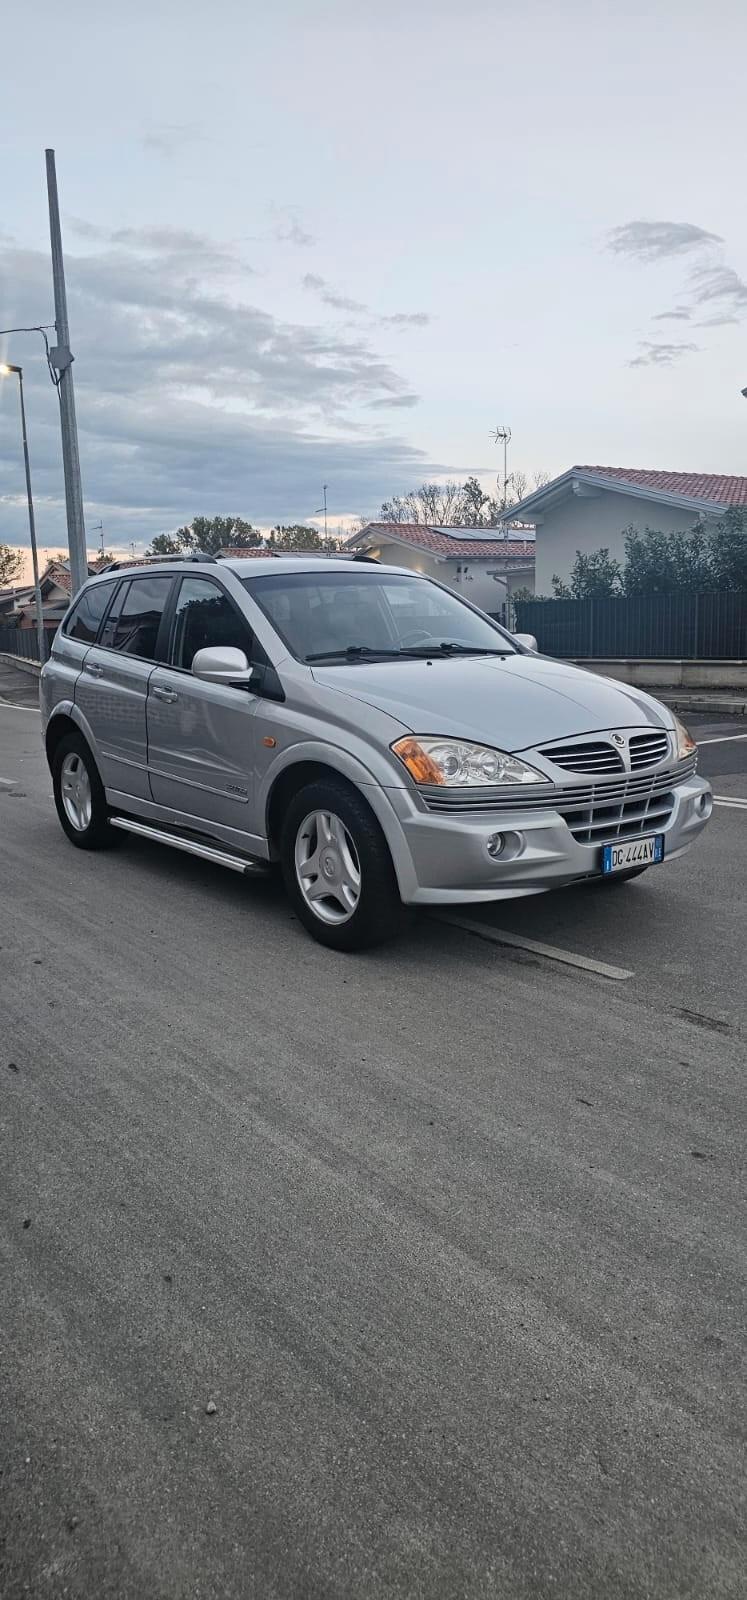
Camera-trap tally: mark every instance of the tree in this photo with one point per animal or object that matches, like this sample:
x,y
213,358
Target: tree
x,y
299,536
437,503
166,544
477,509
11,564
457,505
728,551
210,534
594,576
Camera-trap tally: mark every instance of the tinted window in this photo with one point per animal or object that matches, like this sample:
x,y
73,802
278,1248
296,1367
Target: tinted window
x,y
85,621
205,619
140,616
112,616
321,612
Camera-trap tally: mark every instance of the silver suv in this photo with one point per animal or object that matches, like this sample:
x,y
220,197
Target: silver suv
x,y
379,737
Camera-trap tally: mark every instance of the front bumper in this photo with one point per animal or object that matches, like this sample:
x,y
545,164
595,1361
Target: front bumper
x,y
441,859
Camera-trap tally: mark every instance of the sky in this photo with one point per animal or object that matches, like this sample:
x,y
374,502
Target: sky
x,y
342,242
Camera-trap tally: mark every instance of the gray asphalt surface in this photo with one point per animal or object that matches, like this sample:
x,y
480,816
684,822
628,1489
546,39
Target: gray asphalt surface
x,y
449,1234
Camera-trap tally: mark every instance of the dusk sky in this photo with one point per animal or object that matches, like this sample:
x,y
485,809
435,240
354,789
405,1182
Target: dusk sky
x,y
341,242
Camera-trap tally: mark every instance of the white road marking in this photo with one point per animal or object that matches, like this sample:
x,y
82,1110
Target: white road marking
x,y
734,800
549,951
724,738
8,705
8,783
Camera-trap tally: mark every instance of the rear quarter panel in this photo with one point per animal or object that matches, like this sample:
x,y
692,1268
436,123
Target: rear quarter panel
x,y
60,675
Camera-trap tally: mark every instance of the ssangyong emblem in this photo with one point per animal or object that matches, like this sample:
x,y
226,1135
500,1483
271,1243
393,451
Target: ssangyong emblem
x,y
618,738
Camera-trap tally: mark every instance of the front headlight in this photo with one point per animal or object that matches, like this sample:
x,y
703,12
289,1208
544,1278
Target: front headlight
x,y
686,745
457,764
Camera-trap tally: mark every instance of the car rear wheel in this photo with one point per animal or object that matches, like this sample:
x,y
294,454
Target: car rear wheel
x,y
79,795
337,868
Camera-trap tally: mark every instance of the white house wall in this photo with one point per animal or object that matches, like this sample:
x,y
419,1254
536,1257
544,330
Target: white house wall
x,y
593,524
470,578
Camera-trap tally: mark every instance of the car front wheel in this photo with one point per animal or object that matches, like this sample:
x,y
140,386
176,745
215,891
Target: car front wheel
x,y
337,868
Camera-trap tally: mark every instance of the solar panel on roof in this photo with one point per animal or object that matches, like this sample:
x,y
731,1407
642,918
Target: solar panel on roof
x,y
484,535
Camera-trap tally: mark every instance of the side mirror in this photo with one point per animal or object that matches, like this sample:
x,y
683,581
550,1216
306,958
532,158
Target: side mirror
x,y
222,665
527,639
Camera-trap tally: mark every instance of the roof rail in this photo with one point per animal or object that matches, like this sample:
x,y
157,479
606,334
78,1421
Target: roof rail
x,y
147,561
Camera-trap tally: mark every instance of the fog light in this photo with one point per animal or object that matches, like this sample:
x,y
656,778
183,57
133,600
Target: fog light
x,y
494,845
704,806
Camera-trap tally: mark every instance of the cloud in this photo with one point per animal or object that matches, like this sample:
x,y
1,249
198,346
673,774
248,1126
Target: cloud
x,y
400,400
288,230
356,308
661,355
330,297
655,241
718,322
721,285
711,285
406,319
189,396
179,249
165,138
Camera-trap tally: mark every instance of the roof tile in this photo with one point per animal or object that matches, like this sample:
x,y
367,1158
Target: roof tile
x,y
234,551
714,486
427,537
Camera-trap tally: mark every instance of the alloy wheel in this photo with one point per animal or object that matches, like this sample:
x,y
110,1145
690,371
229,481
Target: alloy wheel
x,y
327,867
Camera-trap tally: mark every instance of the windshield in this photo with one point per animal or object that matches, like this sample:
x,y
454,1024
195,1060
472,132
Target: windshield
x,y
354,616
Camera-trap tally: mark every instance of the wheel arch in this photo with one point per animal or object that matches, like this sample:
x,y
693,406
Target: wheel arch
x,y
312,765
67,718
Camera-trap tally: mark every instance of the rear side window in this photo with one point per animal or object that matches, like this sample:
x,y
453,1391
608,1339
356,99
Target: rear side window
x,y
85,621
139,618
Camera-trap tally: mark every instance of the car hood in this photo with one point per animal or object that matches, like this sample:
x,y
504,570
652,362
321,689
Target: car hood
x,y
512,702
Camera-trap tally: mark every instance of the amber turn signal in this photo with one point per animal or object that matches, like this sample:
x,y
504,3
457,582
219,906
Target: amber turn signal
x,y
419,764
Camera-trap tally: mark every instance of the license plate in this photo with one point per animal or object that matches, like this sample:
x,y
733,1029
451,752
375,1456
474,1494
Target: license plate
x,y
633,853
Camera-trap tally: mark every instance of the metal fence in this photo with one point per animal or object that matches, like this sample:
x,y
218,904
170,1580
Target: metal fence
x,y
701,627
23,642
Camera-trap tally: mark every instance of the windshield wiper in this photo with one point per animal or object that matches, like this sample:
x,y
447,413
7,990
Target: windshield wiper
x,y
450,647
354,652
421,652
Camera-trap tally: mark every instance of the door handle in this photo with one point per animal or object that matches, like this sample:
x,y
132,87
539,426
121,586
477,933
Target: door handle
x,y
94,669
169,695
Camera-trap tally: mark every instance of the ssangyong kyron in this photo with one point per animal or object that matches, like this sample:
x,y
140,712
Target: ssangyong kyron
x,y
383,740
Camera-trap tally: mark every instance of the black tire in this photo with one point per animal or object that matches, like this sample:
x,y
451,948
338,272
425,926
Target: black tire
x,y
379,913
97,835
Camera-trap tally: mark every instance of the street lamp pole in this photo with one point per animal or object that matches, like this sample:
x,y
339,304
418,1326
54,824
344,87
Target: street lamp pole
x,y
62,360
6,370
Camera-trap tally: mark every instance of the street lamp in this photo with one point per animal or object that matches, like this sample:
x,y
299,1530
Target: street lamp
x,y
5,371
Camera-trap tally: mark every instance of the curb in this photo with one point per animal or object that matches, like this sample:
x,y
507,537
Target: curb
x,y
728,707
22,662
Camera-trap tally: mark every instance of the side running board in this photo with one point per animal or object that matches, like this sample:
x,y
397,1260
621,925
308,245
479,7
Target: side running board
x,y
193,847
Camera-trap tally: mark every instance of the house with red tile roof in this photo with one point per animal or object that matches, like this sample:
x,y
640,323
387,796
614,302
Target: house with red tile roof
x,y
589,508
56,588
484,564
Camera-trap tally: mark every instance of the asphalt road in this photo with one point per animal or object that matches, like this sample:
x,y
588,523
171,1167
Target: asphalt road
x,y
449,1234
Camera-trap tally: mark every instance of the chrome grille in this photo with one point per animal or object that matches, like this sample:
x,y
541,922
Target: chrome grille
x,y
595,812
596,757
604,820
647,749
